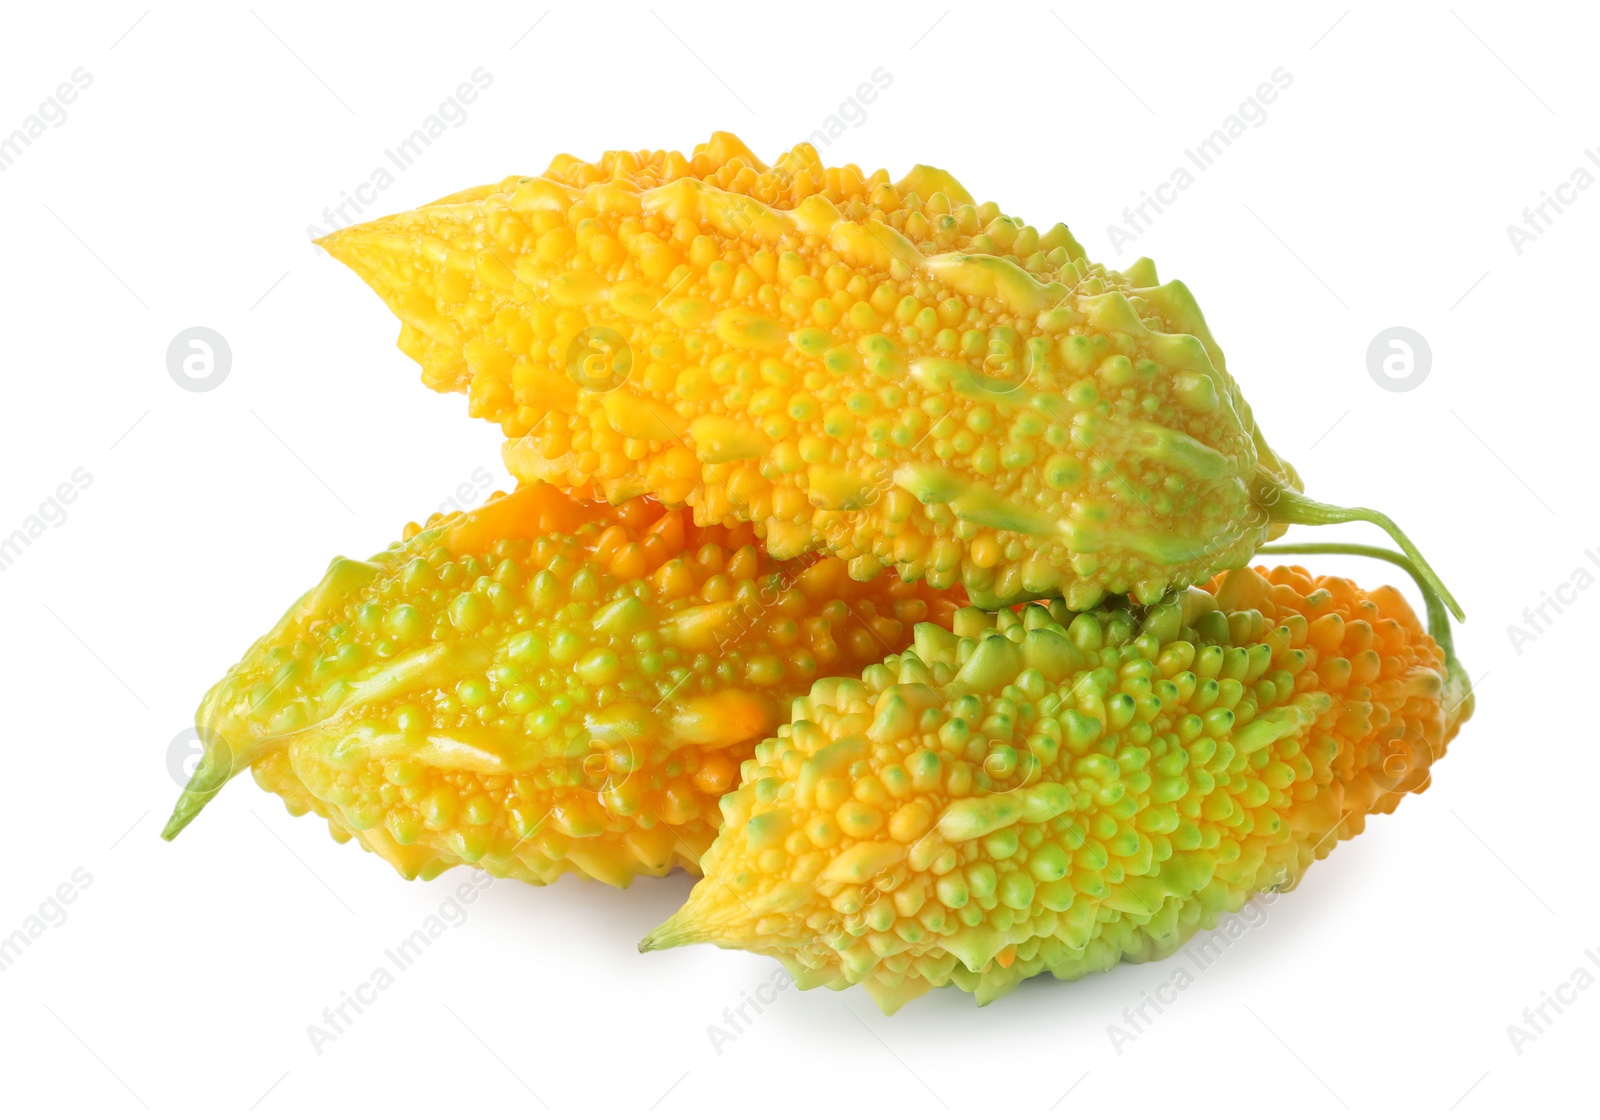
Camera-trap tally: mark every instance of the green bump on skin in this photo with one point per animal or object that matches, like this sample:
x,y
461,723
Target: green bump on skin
x,y
862,861
1142,273
976,947
1050,651
1178,306
1114,312
1045,802
894,720
718,440
930,484
973,817
1176,449
438,665
747,330
1267,729
1197,391
982,276
833,759
995,663
768,829
835,489
980,505
958,377
624,616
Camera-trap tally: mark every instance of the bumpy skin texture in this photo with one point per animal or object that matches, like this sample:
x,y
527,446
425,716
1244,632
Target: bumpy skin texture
x,y
541,686
1039,791
882,370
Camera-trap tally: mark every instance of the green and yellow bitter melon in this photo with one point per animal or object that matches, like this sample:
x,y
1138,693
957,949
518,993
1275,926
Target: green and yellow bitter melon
x,y
540,686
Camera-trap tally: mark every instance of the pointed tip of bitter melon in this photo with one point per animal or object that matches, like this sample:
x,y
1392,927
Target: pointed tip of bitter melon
x,y
188,807
705,919
235,725
675,931
344,245
659,938
337,245
216,766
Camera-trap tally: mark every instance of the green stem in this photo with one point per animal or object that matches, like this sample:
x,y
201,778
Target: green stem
x,y
1459,686
1283,504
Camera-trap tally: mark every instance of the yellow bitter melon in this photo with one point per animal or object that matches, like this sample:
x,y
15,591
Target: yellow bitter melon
x,y
883,370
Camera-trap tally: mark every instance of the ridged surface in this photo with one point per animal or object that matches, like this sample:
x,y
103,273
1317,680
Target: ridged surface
x,y
880,369
541,686
1043,791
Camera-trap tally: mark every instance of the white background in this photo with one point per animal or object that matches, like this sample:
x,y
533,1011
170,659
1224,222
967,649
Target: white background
x,y
178,192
